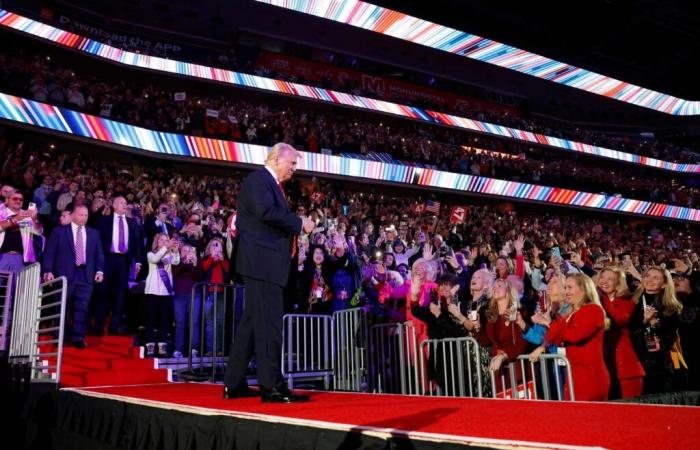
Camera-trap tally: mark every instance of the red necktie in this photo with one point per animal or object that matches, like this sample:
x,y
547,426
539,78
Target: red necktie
x,y
294,241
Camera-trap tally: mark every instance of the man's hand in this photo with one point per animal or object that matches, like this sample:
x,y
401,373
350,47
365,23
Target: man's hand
x,y
137,268
307,224
48,276
99,277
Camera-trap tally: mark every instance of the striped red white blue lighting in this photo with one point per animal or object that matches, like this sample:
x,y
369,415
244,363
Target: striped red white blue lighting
x,y
78,124
113,54
418,31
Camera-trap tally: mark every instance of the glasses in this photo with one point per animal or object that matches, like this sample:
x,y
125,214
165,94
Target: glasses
x,y
17,199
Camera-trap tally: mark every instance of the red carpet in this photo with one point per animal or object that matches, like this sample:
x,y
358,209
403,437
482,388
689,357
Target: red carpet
x,y
609,425
108,361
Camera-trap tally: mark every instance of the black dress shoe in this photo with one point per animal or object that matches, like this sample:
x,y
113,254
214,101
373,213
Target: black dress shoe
x,y
281,395
241,392
79,344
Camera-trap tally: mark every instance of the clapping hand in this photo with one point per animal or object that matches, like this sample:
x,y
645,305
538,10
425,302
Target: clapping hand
x,y
542,318
308,224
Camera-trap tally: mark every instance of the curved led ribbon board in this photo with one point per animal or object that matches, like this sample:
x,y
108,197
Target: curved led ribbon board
x,y
87,126
418,31
114,54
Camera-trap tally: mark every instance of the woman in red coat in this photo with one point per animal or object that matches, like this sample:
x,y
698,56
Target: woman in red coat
x,y
581,334
626,372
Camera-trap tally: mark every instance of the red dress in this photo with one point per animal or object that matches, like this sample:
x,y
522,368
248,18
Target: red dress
x,y
581,333
621,359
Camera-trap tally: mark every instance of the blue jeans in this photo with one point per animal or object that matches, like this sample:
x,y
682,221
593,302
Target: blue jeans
x,y
182,320
218,299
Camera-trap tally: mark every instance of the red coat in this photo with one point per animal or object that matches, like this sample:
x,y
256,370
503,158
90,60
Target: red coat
x,y
581,333
621,359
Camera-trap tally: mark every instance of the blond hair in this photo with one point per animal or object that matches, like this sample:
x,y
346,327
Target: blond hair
x,y
278,150
511,295
621,288
429,270
154,245
590,294
669,299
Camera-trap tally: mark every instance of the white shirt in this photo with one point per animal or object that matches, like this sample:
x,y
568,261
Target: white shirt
x,y
74,228
274,175
115,233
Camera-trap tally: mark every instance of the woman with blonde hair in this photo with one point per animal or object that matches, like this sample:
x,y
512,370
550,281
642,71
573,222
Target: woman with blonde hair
x,y
654,328
626,372
580,333
160,291
503,335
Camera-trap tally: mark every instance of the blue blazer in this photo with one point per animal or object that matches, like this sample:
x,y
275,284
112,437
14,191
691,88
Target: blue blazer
x,y
59,256
266,227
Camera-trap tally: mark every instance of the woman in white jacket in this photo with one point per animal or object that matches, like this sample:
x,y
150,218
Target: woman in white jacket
x,y
159,290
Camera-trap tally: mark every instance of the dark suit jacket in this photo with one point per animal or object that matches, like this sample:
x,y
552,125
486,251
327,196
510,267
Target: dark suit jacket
x,y
59,256
135,251
266,227
151,229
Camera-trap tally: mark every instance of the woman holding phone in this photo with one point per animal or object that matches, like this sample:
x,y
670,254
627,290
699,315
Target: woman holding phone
x,y
160,291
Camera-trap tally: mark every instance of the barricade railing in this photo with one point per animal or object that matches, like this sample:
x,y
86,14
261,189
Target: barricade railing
x,y
546,379
454,367
38,325
214,312
6,296
308,348
397,364
351,343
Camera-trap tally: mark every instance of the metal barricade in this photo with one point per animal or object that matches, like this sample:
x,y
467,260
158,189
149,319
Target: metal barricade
x,y
545,379
6,295
397,365
307,348
214,312
38,325
351,341
454,367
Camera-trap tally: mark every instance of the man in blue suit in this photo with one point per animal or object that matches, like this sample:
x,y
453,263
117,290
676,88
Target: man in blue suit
x,y
74,251
267,232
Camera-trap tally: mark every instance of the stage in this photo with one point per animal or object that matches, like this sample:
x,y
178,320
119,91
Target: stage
x,y
195,416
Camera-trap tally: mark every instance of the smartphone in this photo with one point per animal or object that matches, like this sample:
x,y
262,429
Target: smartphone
x,y
32,206
556,252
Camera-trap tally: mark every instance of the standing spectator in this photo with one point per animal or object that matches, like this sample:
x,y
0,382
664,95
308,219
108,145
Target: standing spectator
x,y
159,291
67,197
186,275
655,328
122,245
216,271
626,372
689,327
581,335
506,339
159,223
75,251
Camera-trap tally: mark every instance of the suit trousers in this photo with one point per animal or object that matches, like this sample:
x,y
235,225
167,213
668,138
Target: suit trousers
x,y
111,293
259,332
77,302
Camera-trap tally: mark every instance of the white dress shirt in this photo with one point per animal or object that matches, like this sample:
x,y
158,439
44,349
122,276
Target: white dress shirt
x,y
115,233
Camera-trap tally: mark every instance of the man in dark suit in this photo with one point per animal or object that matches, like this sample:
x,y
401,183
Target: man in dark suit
x,y
158,224
122,244
267,230
75,251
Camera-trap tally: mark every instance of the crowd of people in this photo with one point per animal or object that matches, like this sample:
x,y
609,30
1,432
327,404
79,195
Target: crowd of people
x,y
620,295
243,58
154,106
